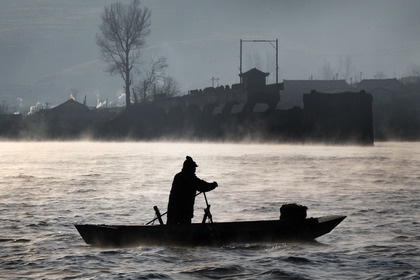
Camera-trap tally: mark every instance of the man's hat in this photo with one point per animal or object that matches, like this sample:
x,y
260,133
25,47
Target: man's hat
x,y
189,162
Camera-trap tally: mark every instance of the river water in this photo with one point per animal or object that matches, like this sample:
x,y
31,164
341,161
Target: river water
x,y
46,187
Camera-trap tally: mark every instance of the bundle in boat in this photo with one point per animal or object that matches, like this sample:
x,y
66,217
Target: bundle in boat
x,y
293,212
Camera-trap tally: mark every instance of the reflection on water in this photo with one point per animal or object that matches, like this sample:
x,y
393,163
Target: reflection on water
x,y
46,187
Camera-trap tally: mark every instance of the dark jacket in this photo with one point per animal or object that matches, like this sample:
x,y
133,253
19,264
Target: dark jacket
x,y
182,197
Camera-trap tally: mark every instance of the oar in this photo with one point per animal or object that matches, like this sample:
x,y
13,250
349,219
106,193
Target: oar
x,y
159,216
207,213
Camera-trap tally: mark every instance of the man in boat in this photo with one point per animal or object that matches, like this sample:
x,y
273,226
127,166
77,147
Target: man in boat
x,y
183,192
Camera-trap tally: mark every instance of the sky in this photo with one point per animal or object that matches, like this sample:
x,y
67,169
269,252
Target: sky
x,y
48,49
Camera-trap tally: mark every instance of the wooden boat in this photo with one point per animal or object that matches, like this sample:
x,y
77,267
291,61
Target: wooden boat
x,y
213,233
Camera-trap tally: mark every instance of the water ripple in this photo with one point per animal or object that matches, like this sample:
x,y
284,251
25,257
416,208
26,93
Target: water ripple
x,y
119,183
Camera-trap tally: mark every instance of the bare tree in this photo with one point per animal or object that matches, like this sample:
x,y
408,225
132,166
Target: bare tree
x,y
155,81
151,76
327,71
345,66
123,31
170,87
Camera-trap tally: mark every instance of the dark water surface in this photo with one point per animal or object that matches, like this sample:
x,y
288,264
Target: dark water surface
x,y
47,187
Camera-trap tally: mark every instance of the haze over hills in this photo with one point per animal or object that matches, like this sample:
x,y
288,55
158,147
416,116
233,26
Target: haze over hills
x,y
48,50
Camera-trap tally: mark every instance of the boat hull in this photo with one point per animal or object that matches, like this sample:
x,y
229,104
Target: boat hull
x,y
206,234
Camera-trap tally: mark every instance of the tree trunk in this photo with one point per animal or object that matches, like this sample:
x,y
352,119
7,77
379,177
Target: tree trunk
x,y
127,81
127,91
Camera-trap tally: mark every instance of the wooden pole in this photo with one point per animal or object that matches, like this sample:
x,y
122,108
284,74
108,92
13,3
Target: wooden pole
x,y
158,215
240,61
277,61
207,213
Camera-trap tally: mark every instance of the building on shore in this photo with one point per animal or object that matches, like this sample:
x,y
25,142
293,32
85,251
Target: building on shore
x,y
245,97
395,107
250,110
338,118
70,119
293,90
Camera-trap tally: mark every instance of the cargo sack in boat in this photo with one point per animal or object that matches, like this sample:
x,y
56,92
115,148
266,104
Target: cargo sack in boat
x,y
293,212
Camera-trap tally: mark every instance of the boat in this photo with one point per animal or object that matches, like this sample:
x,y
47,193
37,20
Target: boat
x,y
207,233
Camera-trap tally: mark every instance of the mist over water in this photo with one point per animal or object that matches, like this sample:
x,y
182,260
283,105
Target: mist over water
x,y
46,187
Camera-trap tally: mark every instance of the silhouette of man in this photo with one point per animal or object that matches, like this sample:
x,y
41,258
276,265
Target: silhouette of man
x,y
182,196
